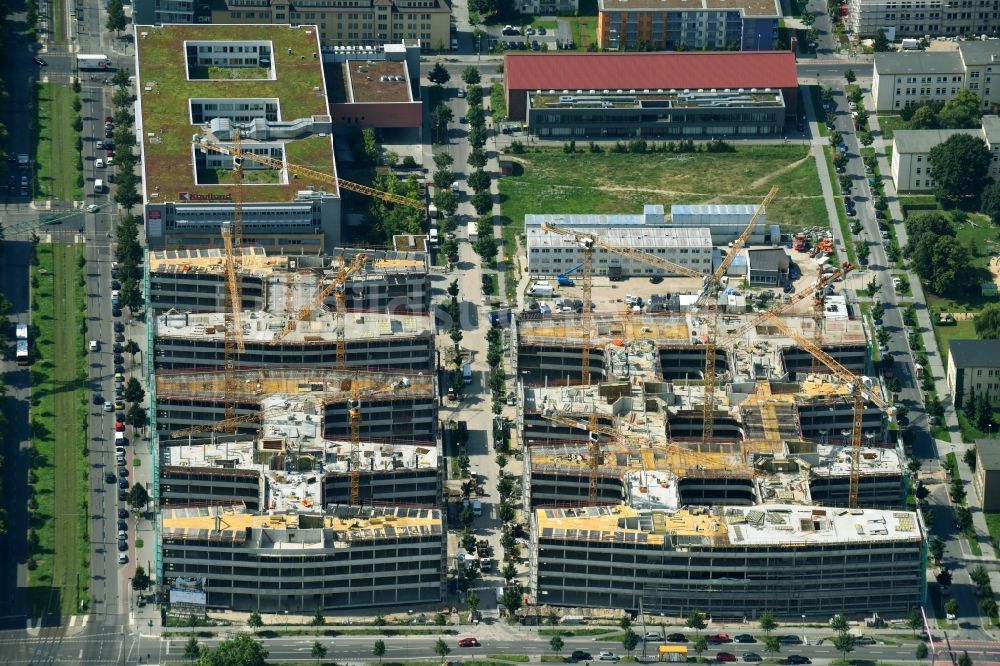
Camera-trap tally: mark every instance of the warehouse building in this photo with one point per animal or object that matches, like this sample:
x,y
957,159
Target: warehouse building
x,y
550,253
396,407
202,83
732,562
911,149
710,25
910,78
291,465
671,96
194,280
303,561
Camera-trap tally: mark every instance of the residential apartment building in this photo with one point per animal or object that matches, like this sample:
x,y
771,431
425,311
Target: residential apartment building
x,y
974,366
349,22
733,562
671,25
301,560
911,148
910,78
986,478
917,18
546,7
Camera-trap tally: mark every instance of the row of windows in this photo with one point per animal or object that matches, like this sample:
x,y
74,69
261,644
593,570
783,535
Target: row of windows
x,y
227,49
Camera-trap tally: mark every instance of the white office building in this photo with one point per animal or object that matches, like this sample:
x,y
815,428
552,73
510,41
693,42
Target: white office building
x,y
911,148
910,78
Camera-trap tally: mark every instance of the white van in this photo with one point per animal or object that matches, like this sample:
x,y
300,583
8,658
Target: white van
x,y
98,186
94,345
433,238
99,163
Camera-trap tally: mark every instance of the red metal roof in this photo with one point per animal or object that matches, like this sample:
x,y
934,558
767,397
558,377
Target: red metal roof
x,y
613,71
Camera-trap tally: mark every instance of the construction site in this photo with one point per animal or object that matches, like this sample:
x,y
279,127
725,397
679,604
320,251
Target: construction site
x,y
296,310
695,457
392,406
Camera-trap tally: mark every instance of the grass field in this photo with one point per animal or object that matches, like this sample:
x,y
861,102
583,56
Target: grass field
x,y
56,155
550,181
889,124
60,580
964,329
993,525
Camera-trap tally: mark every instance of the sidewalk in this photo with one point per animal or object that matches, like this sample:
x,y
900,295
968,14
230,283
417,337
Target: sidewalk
x,y
934,355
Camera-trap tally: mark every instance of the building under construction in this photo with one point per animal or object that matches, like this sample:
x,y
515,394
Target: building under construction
x,y
289,465
550,350
301,561
394,407
195,280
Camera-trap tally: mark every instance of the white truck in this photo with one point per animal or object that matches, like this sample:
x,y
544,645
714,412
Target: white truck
x,y
541,288
473,232
93,61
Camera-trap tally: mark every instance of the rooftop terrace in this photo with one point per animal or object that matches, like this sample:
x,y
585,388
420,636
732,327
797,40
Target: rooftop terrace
x,y
165,87
655,99
745,7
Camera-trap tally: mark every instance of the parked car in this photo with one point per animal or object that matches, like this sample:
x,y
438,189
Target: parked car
x,y
719,638
790,639
580,655
607,656
725,656
123,484
677,638
122,526
123,546
652,636
744,638
751,656
123,513
797,659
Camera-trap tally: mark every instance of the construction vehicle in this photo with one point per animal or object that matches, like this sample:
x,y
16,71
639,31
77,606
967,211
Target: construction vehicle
x,y
823,247
563,278
858,391
708,303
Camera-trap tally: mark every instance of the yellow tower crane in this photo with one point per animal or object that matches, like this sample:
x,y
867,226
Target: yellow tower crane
x,y
310,174
707,302
337,286
232,237
354,419
595,451
858,392
589,242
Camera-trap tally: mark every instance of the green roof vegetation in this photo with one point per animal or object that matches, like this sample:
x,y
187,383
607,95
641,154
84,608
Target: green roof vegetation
x,y
165,108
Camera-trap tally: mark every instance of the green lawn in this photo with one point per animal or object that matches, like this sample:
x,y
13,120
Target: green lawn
x,y
983,241
56,155
59,570
962,330
845,226
993,524
59,22
584,27
550,181
889,124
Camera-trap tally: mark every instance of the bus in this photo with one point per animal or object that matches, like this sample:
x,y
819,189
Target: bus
x,y
673,653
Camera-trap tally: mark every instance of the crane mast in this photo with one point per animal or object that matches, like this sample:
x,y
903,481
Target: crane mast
x,y
708,299
233,343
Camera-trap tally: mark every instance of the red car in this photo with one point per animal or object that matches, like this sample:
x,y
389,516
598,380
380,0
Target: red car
x,y
719,638
111,153
119,426
725,656
470,641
